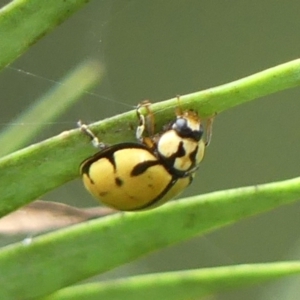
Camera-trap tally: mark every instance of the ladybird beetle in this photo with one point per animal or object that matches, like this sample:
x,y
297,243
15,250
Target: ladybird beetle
x,y
145,174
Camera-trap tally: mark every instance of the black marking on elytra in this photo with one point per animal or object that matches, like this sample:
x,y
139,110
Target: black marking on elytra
x,y
143,166
158,197
111,159
108,153
192,157
164,192
119,181
103,194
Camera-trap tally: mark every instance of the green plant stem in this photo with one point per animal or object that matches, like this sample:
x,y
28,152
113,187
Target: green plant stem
x,y
220,98
24,22
181,285
56,161
70,255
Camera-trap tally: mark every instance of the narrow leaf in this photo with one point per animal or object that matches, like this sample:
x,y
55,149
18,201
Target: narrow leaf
x,y
70,255
24,22
182,285
31,172
50,106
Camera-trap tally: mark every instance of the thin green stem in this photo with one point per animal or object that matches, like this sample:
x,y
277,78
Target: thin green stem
x,y
24,22
181,285
55,161
76,253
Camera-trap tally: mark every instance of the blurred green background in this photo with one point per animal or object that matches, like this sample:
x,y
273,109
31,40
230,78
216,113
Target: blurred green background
x,y
156,50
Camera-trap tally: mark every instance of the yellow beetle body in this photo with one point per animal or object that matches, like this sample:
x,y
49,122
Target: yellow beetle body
x,y
145,174
128,176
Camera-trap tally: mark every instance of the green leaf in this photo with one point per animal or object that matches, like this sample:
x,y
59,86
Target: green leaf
x,y
33,171
67,256
50,106
35,18
191,284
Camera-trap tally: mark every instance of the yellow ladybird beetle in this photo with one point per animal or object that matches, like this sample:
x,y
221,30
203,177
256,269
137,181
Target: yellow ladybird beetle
x,y
145,174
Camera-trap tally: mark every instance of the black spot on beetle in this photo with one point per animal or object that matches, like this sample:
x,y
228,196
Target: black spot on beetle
x,y
103,194
118,181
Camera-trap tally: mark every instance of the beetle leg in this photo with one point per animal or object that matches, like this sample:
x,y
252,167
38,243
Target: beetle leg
x,y
141,127
178,110
145,122
95,141
150,122
209,125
